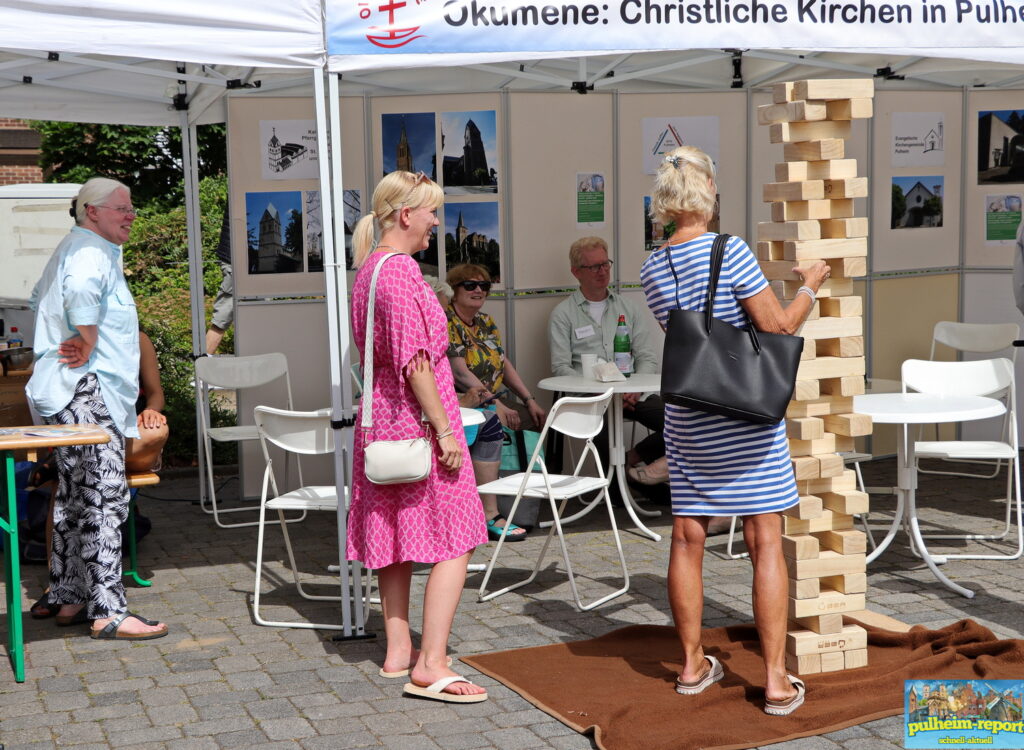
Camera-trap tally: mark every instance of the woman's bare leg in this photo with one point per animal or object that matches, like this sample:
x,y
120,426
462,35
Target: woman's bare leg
x,y
393,583
686,590
142,453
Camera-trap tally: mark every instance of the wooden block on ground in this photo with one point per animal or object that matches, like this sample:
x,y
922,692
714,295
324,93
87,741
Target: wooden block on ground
x,y
812,209
834,286
850,109
800,546
805,428
850,425
804,190
797,132
851,502
830,367
826,444
808,350
806,390
827,521
844,346
819,407
789,230
833,661
829,603
842,228
851,583
831,88
806,468
793,112
845,542
855,658
849,268
832,465
842,307
846,444
780,270
847,480
809,507
805,589
821,624
769,250
827,148
850,187
803,665
848,386
848,247
831,328
809,642
831,169
829,563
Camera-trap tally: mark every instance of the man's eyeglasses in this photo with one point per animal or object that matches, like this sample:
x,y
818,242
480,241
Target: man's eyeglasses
x,y
598,267
123,210
471,286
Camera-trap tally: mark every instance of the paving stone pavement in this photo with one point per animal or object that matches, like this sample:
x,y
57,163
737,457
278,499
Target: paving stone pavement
x,y
220,681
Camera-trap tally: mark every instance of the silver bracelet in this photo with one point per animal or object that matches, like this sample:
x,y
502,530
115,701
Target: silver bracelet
x,y
809,292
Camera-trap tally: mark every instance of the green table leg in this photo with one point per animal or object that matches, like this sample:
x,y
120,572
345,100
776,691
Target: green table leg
x,y
133,565
12,571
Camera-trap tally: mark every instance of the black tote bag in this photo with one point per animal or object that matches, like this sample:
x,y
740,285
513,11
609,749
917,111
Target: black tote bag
x,y
715,367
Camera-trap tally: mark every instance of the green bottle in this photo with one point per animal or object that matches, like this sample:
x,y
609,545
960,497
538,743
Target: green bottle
x,y
622,348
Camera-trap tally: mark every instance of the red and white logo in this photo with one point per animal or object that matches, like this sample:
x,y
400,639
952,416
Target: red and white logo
x,y
389,35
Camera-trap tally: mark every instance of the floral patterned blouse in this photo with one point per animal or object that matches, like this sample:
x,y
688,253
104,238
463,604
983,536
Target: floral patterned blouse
x,y
480,345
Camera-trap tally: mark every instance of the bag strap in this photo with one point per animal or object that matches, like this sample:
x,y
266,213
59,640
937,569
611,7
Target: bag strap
x,y
717,254
367,420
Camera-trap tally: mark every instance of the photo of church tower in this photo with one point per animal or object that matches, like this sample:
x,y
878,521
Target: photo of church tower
x,y
275,232
469,152
288,150
472,235
408,143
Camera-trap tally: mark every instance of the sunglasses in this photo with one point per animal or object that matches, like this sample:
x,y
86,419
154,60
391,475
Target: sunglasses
x,y
471,286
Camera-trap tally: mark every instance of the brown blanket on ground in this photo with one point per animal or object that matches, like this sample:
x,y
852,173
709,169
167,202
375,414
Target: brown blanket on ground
x,y
620,686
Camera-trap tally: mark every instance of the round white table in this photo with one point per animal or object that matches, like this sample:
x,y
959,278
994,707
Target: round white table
x,y
919,408
650,383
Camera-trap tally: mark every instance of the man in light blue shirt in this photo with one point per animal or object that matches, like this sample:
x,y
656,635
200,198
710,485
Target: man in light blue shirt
x,y
87,371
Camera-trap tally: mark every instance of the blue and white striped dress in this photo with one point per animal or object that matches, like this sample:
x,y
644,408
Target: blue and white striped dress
x,y
717,465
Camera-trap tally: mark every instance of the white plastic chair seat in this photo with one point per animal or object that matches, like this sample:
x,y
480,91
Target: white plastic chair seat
x,y
991,449
314,497
235,433
562,485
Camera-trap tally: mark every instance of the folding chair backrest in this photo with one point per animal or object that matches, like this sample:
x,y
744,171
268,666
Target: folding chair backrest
x,y
975,337
579,416
981,377
242,372
305,432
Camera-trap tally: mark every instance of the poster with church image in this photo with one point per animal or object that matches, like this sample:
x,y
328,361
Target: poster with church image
x,y
471,235
917,202
1000,146
313,230
288,150
274,232
469,152
408,142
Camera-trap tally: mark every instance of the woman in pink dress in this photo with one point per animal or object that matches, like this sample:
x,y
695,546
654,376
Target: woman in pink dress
x,y
437,520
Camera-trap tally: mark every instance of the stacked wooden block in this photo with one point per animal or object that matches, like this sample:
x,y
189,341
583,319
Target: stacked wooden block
x,y
813,219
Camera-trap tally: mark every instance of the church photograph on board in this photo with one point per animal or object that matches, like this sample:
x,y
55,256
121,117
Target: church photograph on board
x,y
1000,146
471,235
469,152
274,231
408,142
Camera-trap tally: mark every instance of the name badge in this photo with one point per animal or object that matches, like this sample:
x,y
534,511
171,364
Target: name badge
x,y
584,332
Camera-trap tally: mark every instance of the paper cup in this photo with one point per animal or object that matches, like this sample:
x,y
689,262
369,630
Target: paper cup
x,y
588,361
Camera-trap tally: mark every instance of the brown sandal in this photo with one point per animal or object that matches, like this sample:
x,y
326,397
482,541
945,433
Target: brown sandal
x,y
110,631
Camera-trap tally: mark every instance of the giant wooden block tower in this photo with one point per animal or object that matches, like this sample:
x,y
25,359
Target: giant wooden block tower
x,y
813,219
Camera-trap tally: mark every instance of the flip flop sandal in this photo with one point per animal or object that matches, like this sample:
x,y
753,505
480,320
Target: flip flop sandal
x,y
436,692
404,672
79,618
714,674
788,706
110,631
44,608
494,531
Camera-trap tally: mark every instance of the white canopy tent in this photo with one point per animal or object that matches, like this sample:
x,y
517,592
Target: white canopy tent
x,y
114,61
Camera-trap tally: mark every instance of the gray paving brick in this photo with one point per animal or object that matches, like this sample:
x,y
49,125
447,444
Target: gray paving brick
x,y
143,737
291,728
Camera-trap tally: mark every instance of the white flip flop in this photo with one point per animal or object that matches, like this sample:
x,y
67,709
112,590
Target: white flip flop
x,y
788,706
436,691
404,672
713,675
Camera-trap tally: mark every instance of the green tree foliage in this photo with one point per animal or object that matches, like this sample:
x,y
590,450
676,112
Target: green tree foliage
x,y
899,206
146,158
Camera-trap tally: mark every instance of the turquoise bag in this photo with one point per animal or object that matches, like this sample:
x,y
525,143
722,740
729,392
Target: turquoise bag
x,y
517,447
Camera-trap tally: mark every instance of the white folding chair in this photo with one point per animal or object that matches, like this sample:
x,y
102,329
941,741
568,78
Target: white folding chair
x,y
307,433
974,338
973,378
235,373
575,417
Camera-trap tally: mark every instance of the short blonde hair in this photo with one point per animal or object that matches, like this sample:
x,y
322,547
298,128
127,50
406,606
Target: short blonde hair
x,y
465,272
93,193
681,185
577,248
396,190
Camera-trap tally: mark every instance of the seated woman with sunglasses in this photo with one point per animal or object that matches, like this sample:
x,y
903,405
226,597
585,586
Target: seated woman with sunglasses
x,y
478,359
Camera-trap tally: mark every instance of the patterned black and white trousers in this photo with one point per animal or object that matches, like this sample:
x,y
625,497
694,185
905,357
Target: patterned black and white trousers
x,y
90,505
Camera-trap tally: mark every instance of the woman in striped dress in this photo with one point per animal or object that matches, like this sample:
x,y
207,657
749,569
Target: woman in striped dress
x,y
719,465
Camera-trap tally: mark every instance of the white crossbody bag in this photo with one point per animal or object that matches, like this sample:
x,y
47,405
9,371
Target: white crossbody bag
x,y
388,461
